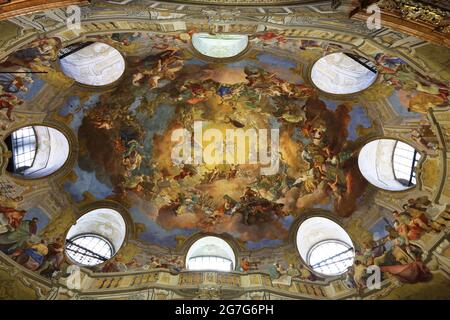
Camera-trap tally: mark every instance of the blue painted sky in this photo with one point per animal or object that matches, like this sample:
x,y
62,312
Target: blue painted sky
x,y
378,230
276,61
157,124
37,212
33,88
154,233
73,106
400,109
264,243
86,181
358,117
195,62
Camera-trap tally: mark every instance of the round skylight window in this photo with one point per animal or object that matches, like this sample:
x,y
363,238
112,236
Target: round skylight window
x,y
325,246
389,164
343,73
37,151
94,64
95,237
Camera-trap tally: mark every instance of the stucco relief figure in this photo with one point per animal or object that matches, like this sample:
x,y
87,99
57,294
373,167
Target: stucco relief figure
x,y
74,279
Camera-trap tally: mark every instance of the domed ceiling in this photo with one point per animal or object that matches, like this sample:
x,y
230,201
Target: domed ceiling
x,y
125,133
135,135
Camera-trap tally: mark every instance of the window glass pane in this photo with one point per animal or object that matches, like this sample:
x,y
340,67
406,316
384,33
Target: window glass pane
x,y
24,148
331,257
210,263
89,249
404,163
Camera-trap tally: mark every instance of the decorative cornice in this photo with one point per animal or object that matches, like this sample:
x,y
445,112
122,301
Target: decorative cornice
x,y
16,8
252,3
418,11
423,20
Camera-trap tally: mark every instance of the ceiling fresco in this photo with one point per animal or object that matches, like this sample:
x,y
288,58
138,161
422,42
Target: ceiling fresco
x,y
125,135
129,160
136,130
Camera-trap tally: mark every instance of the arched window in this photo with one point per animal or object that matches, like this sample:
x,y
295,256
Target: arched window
x,y
219,45
325,246
37,151
95,237
92,63
389,164
210,253
343,73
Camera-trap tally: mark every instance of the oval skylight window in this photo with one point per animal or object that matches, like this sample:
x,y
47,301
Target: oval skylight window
x,y
343,73
325,246
37,151
96,237
94,64
89,249
219,45
389,164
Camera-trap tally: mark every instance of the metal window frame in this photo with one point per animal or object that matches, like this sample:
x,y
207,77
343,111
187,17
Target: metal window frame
x,y
15,146
70,49
412,173
94,255
318,264
362,61
212,256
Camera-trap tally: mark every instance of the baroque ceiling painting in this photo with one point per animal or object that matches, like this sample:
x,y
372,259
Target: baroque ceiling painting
x,y
170,144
